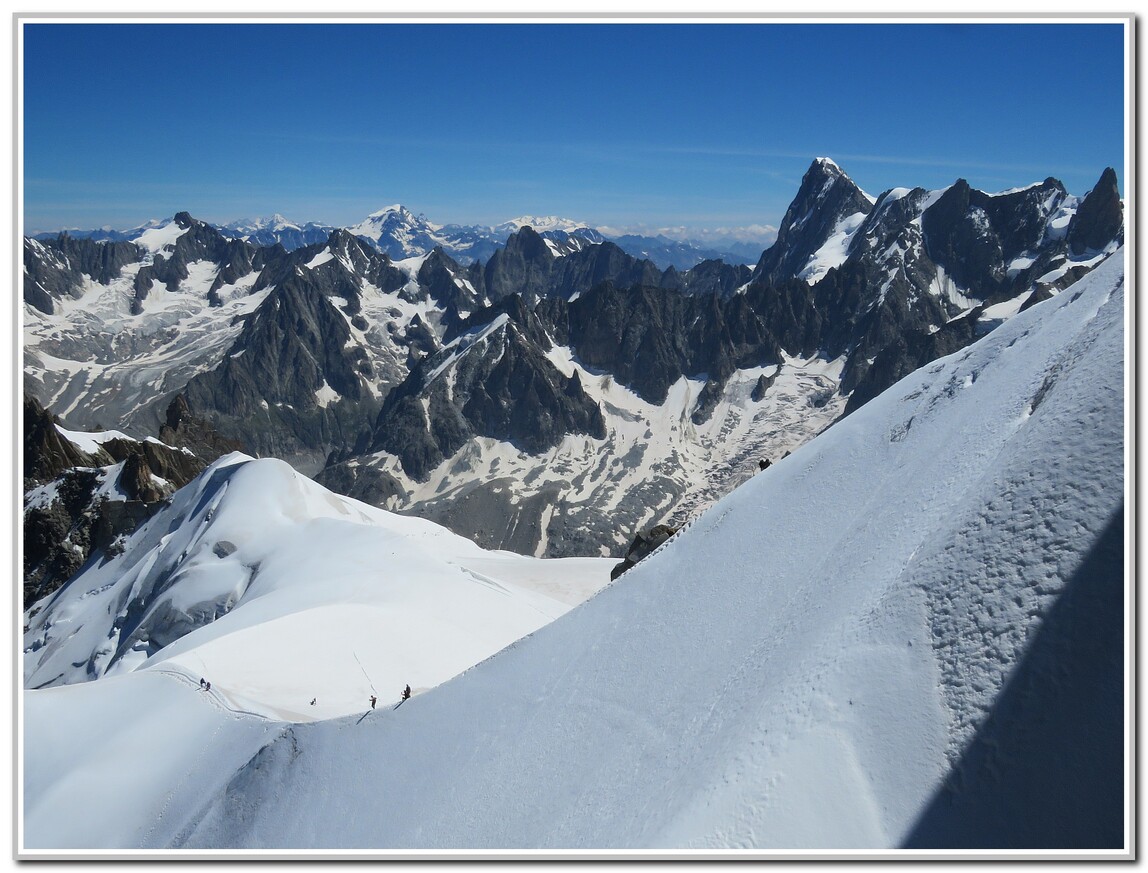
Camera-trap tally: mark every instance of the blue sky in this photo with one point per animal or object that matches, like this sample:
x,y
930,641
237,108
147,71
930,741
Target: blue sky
x,y
704,125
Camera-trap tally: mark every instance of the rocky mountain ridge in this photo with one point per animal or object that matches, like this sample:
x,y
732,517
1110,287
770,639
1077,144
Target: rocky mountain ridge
x,y
650,391
878,286
84,492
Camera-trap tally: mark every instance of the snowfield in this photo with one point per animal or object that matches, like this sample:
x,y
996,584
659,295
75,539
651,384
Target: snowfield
x,y
909,633
338,599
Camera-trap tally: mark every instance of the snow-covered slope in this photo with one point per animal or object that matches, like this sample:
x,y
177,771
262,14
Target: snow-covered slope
x,y
281,592
888,623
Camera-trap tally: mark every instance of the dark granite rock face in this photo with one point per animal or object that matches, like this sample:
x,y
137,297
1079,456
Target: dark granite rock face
x,y
643,545
286,351
267,390
353,253
1100,218
884,327
975,236
523,399
494,380
528,267
1019,219
712,277
239,260
144,459
789,312
648,338
762,386
1037,296
182,428
523,267
57,536
361,482
46,453
960,236
907,350
579,272
449,285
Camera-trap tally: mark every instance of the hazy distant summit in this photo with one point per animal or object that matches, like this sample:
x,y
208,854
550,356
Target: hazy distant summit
x,y
401,233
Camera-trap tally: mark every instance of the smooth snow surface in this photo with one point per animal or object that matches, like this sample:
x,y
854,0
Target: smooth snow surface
x,y
837,654
163,236
281,592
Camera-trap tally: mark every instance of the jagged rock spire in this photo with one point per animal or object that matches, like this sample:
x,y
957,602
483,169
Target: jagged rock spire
x,y
825,197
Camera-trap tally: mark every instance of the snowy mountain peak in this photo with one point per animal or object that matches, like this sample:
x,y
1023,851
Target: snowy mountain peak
x,y
399,233
825,174
393,218
276,222
540,224
828,165
818,225
394,209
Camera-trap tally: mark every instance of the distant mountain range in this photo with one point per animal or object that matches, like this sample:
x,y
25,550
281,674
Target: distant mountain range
x,y
399,233
563,392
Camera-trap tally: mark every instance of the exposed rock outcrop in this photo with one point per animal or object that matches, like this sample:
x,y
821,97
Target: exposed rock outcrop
x,y
79,504
643,545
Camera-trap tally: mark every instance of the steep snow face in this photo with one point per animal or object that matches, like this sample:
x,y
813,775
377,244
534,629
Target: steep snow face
x,y
399,232
835,249
809,665
281,592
